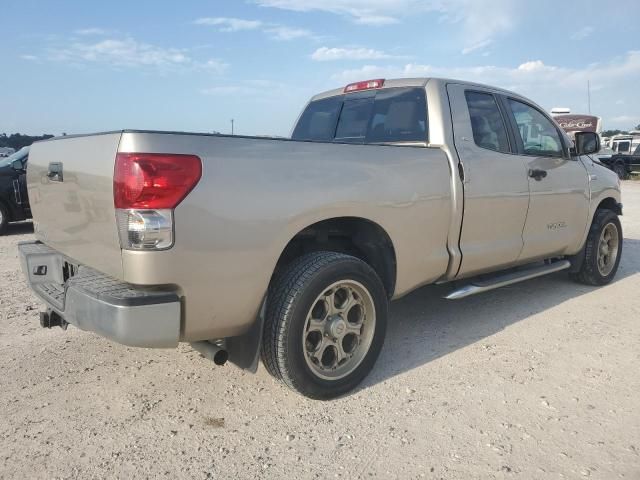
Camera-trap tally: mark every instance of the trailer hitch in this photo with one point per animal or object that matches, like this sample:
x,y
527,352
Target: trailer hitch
x,y
50,319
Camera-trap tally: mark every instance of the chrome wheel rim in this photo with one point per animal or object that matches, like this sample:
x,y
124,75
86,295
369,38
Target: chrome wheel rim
x,y
1,217
339,329
608,249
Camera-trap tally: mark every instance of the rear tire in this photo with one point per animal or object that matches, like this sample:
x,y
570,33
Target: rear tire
x,y
325,324
4,219
603,250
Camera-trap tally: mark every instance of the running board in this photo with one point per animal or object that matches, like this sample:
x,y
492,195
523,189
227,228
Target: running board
x,y
480,286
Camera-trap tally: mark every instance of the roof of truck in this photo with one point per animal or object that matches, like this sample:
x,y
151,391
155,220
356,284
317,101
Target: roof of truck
x,y
413,82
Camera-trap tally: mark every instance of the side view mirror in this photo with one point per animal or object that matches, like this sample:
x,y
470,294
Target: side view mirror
x,y
586,143
17,165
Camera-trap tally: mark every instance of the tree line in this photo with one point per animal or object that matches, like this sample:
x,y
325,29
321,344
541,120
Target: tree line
x,y
18,140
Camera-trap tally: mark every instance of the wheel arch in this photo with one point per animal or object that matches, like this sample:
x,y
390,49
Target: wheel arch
x,y
609,203
353,235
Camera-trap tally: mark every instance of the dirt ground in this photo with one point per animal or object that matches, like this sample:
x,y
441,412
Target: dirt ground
x,y
537,380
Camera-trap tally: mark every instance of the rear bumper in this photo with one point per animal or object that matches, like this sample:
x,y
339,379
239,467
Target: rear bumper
x,y
95,302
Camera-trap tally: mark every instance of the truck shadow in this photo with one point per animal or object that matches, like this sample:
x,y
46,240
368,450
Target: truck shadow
x,y
19,228
423,326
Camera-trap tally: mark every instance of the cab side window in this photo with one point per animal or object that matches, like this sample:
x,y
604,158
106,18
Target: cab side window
x,y
487,124
539,135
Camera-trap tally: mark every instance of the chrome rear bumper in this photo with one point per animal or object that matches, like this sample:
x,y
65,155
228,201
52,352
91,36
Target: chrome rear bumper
x,y
90,300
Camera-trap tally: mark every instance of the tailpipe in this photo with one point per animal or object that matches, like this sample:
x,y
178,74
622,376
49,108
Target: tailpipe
x,y
214,352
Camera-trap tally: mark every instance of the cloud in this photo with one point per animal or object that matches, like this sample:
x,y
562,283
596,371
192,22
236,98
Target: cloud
x,y
128,52
324,54
228,24
478,46
31,58
374,12
535,66
214,65
91,31
582,33
375,20
480,20
273,30
549,84
288,33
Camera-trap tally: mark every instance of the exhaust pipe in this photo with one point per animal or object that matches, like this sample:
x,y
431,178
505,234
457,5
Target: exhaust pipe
x,y
213,352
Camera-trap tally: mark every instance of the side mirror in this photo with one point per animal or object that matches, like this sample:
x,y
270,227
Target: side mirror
x,y
586,143
17,165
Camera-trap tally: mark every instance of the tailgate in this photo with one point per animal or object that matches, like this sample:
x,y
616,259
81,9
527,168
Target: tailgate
x,y
73,211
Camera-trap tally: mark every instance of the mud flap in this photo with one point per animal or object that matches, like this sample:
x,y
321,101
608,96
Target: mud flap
x,y
244,350
577,260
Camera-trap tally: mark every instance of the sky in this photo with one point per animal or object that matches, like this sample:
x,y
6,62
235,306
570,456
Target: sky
x,y
79,66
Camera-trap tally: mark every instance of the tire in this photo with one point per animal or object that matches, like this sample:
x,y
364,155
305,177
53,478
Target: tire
x,y
591,272
620,170
313,341
4,219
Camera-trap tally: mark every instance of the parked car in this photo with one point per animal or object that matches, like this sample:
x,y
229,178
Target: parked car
x,y
290,249
624,164
625,143
14,201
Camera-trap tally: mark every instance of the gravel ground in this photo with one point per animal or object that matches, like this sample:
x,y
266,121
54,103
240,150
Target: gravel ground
x,y
536,380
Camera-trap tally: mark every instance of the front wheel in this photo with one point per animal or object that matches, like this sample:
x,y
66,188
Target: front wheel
x,y
603,250
325,324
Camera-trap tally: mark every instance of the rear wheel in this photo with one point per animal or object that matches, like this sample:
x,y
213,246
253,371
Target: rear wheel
x,y
603,250
325,324
4,219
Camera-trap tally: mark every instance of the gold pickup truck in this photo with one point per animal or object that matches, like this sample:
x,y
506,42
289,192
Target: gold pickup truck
x,y
291,249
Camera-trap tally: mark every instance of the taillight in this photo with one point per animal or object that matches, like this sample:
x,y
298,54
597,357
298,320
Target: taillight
x,y
146,189
366,85
154,180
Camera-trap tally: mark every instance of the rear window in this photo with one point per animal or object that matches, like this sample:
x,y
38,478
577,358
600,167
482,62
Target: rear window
x,y
382,116
624,147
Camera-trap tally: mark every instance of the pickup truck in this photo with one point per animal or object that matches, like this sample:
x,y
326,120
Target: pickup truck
x,y
289,250
14,202
624,164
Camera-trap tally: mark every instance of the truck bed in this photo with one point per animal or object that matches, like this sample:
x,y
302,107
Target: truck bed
x,y
255,194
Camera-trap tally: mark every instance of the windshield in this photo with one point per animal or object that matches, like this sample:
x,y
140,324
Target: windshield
x,y
381,116
19,155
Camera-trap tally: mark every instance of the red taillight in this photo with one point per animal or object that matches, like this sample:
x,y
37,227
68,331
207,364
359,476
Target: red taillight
x,y
154,180
366,85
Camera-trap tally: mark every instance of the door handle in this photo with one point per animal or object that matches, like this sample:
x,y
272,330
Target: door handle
x,y
537,174
55,172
